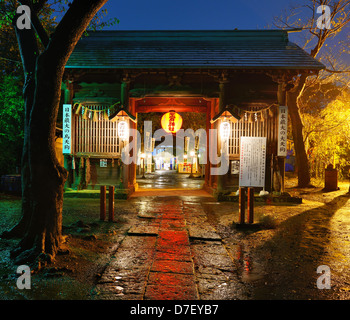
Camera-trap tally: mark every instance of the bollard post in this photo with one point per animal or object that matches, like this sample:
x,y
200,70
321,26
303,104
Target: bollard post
x,y
111,204
103,203
241,205
250,205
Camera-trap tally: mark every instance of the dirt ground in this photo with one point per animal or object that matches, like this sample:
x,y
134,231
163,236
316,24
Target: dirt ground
x,y
277,261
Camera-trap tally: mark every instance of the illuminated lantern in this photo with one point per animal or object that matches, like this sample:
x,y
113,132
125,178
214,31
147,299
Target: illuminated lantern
x,y
171,122
123,131
225,130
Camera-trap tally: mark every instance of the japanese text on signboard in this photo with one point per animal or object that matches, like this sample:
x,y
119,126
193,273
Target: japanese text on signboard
x,y
252,162
67,128
282,131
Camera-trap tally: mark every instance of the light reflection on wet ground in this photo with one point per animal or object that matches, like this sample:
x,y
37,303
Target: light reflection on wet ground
x,y
276,263
169,179
183,247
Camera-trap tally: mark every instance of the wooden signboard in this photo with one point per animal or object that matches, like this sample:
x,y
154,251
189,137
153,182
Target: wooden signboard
x,y
252,162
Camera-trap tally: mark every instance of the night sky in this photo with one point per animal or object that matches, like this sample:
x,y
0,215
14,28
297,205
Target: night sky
x,y
207,15
194,14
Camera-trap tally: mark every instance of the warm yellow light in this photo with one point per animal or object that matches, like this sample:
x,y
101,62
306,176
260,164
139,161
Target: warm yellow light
x,y
225,130
171,122
123,130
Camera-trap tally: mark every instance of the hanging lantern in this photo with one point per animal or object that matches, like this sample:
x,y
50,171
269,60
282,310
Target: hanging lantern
x,y
123,130
225,130
171,122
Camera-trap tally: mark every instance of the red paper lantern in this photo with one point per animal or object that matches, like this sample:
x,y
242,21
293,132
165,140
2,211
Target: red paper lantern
x,y
171,122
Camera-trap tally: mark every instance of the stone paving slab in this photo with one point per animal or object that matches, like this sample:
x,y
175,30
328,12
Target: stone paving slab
x,y
172,224
205,232
161,292
148,215
172,238
170,279
138,242
172,266
218,261
143,230
215,247
173,250
185,256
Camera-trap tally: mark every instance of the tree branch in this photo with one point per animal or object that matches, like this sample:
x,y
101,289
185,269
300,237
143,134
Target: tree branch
x,y
39,29
72,26
39,5
336,71
28,47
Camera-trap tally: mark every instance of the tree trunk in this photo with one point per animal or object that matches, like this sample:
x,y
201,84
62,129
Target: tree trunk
x,y
47,176
26,39
43,177
297,131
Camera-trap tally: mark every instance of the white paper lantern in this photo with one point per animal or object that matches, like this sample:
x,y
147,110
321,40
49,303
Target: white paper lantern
x,y
225,130
123,130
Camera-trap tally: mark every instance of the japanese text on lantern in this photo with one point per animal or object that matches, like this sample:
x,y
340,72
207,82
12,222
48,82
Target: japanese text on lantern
x,y
66,129
171,121
282,131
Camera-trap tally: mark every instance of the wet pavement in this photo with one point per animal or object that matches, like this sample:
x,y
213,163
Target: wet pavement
x,y
183,247
172,253
169,179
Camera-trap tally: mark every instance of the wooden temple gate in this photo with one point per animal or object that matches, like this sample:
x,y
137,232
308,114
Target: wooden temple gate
x,y
224,79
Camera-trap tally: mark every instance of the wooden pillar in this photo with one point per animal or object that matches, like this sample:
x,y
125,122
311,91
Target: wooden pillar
x,y
222,93
208,126
103,203
68,94
242,197
111,204
124,92
222,105
210,149
250,205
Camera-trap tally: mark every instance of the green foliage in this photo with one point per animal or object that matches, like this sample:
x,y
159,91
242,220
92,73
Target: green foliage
x,y
328,133
11,124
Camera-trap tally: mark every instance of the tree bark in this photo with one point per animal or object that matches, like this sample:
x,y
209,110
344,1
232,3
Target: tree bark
x,y
43,176
297,131
26,39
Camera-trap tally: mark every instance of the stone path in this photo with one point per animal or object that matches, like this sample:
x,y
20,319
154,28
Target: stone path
x,y
171,253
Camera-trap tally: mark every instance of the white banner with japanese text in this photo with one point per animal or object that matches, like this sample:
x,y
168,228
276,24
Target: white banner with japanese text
x,y
67,129
282,131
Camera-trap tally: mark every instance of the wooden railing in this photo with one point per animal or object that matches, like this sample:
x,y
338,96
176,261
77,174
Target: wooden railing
x,y
94,137
250,126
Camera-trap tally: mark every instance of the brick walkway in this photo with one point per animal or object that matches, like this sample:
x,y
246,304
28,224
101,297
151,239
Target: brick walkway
x,y
157,261
171,275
